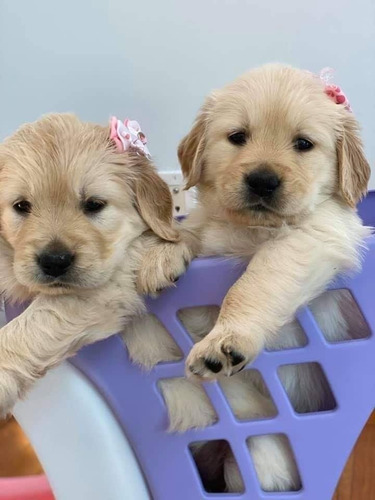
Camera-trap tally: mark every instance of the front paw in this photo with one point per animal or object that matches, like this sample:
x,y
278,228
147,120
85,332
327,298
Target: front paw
x,y
9,393
162,266
221,352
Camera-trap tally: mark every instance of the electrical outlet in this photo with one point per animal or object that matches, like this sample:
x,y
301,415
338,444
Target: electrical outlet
x,y
179,200
183,201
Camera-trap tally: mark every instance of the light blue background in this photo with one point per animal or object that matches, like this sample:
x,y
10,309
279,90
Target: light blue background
x,y
155,60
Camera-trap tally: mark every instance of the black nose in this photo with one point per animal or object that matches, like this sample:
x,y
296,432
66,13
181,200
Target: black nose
x,y
55,263
262,182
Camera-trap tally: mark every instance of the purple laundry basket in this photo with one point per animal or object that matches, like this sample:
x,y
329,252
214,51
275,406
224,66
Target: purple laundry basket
x,y
321,442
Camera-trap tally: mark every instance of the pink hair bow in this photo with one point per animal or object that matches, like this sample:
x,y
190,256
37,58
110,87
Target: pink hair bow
x,y
128,136
333,91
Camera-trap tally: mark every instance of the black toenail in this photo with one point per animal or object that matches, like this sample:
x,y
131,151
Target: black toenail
x,y
186,262
236,358
213,365
175,279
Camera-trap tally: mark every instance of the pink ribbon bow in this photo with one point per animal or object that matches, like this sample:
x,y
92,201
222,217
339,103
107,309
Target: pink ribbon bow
x,y
333,91
128,136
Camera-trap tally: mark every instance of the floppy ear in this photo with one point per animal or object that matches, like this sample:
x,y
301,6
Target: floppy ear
x,y
153,200
353,168
191,148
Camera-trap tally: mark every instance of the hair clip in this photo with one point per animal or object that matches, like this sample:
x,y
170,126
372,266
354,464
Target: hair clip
x,y
128,136
333,91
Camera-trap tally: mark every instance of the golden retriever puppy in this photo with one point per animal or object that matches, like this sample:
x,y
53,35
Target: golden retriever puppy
x,y
75,216
279,168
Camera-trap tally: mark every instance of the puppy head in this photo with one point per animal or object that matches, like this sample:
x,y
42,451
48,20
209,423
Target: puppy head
x,y
70,204
271,146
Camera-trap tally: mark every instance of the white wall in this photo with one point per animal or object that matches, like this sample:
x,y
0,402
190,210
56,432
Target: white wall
x,y
154,60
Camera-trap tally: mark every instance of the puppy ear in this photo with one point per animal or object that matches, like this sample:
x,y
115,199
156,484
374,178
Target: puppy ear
x,y
191,148
153,200
353,168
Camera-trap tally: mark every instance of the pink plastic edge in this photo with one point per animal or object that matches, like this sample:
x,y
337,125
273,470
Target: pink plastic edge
x,y
25,488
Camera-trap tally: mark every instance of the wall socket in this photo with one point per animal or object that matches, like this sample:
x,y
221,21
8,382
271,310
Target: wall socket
x,y
179,200
183,201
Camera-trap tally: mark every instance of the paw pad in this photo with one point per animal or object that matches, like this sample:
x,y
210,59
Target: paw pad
x,y
235,357
214,365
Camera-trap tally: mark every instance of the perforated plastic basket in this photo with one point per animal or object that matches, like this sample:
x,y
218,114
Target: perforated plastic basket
x,y
320,441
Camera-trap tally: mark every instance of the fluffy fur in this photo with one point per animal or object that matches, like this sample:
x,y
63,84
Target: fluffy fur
x,y
49,170
296,243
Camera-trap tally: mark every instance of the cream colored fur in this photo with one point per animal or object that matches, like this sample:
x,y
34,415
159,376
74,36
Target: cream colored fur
x,y
294,250
55,165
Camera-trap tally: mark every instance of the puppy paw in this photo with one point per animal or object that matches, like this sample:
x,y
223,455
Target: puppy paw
x,y
221,353
162,266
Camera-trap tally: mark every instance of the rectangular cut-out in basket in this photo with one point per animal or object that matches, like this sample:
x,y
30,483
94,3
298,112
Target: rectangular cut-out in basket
x,y
211,459
346,322
248,396
307,387
274,463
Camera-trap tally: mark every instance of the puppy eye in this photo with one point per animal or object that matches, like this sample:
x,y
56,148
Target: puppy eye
x,y
22,207
302,144
93,206
238,138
